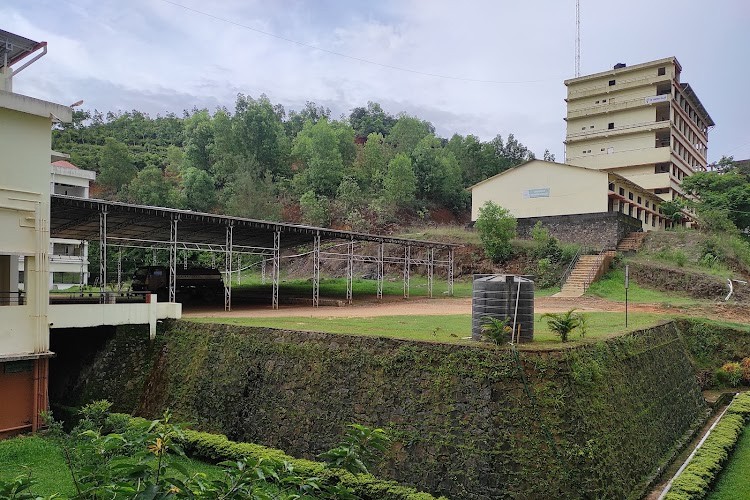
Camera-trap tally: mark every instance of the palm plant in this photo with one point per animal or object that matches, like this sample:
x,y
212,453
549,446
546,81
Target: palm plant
x,y
563,324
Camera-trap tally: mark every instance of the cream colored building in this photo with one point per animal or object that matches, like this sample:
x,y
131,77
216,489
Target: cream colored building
x,y
640,122
542,189
25,311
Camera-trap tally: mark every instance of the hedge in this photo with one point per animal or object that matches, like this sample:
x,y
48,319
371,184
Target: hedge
x,y
217,448
698,477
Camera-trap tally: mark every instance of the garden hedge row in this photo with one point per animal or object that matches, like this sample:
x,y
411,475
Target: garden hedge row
x,y
216,448
696,480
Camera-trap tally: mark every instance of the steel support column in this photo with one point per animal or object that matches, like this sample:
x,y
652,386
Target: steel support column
x,y
263,271
153,256
450,272
350,272
119,269
407,270
228,269
102,250
239,268
381,266
184,259
173,259
275,270
430,269
316,270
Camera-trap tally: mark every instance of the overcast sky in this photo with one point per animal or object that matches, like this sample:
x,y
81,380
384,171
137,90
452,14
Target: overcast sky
x,y
469,67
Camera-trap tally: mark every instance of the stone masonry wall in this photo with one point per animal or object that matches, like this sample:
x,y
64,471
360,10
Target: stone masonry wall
x,y
469,422
600,231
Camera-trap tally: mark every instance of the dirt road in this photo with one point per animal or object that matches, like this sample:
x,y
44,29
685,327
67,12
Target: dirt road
x,y
442,306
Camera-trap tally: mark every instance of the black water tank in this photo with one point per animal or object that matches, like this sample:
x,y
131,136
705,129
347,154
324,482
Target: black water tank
x,y
620,65
503,296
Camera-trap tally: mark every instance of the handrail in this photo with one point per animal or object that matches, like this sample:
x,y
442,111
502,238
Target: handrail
x,y
571,266
594,269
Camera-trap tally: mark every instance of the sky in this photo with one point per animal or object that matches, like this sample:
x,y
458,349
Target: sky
x,y
478,67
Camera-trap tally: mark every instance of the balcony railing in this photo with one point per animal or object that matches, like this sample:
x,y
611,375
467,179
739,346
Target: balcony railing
x,y
98,297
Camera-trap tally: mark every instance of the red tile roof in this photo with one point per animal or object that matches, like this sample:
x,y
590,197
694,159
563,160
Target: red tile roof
x,y
64,164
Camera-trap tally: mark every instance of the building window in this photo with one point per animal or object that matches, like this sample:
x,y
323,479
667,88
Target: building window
x,y
639,200
630,195
647,203
622,192
611,125
645,217
604,100
661,71
612,186
611,83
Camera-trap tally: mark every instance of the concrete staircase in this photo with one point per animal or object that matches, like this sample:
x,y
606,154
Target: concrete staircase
x,y
588,269
631,242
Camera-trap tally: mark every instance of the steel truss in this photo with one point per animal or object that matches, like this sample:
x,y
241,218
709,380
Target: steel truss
x,y
275,270
350,272
316,271
102,251
173,258
407,270
228,269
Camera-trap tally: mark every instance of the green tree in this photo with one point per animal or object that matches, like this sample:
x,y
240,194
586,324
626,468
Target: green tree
x,y
253,197
317,146
315,209
371,120
496,227
116,167
438,174
407,132
199,136
150,187
400,183
727,191
199,190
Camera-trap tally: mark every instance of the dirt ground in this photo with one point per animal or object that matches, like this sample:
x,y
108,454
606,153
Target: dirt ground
x,y
392,306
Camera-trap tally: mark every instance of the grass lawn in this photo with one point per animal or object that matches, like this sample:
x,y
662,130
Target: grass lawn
x,y
612,286
734,481
450,328
44,459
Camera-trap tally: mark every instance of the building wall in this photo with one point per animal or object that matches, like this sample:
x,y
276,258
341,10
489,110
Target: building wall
x,y
540,188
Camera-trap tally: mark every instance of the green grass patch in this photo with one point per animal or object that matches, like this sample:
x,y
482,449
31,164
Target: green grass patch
x,y
734,481
611,286
453,328
44,459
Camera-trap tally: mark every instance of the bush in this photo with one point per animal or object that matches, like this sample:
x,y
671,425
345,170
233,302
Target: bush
x,y
730,374
496,227
697,478
745,365
563,324
217,448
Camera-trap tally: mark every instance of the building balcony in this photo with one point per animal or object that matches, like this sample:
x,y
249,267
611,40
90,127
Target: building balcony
x,y
635,128
603,109
604,89
621,158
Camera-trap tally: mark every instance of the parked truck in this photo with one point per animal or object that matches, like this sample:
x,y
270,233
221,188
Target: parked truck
x,y
196,282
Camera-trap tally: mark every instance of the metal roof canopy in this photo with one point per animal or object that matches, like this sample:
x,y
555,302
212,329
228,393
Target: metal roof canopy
x,y
126,225
14,47
78,218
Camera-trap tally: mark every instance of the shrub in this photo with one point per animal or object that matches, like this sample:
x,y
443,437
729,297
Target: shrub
x,y
361,449
545,246
730,374
745,365
496,227
700,473
496,330
564,323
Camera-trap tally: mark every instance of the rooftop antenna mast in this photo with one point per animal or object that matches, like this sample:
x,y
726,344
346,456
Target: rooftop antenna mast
x,y
578,38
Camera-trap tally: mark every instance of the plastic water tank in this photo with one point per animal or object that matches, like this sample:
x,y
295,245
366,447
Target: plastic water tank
x,y
503,296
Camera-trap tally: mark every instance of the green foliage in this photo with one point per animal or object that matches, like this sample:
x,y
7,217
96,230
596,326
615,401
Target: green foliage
x,y
315,209
730,374
361,448
496,227
672,210
496,330
724,197
672,256
545,245
400,183
696,479
563,324
116,166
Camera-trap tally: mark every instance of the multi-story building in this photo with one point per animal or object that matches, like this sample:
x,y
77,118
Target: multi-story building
x,y
640,122
68,259
69,264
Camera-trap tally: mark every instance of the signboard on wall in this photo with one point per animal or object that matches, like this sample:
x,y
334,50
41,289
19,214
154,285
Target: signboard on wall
x,y
657,98
536,193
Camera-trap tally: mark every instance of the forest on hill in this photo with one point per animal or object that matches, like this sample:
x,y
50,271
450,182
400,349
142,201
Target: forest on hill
x,y
362,172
